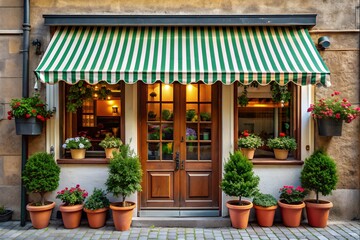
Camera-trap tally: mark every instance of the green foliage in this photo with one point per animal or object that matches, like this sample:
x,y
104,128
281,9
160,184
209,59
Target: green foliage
x,y
249,140
319,174
190,114
265,200
239,179
124,173
280,93
78,93
205,116
286,143
41,174
292,195
77,143
110,142
97,200
74,195
151,115
166,115
243,99
2,209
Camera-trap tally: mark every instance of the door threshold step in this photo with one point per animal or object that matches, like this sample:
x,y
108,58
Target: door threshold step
x,y
203,222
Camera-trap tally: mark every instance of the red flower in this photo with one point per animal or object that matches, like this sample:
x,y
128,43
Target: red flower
x,y
337,116
27,115
9,117
282,134
33,110
245,134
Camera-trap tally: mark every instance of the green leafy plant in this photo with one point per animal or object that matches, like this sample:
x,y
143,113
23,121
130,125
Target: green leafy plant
x,y
29,107
166,115
41,174
239,179
110,142
248,140
265,200
72,196
243,100
2,209
78,93
280,94
205,116
97,200
125,173
319,174
151,115
292,195
282,142
190,114
77,143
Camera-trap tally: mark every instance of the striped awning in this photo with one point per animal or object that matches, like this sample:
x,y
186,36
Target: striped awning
x,y
182,54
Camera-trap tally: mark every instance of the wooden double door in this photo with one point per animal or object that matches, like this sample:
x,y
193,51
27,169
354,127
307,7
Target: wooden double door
x,y
180,147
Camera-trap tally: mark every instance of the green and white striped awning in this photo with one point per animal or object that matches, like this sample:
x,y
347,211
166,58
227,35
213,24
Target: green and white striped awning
x,y
182,54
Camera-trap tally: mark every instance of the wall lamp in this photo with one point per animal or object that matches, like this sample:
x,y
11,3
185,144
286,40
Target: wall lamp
x,y
324,42
37,43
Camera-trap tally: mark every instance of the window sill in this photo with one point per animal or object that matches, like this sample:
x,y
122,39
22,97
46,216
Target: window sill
x,y
83,161
273,161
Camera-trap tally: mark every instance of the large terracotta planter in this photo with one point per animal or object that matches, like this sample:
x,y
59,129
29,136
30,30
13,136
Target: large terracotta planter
x,y
78,153
122,216
318,213
109,152
239,214
281,154
71,215
248,152
265,215
40,215
96,218
291,213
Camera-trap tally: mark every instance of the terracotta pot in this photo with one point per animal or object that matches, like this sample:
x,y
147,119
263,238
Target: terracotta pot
x,y
109,152
71,215
291,213
248,152
122,216
265,215
318,213
281,154
96,218
239,215
78,153
40,215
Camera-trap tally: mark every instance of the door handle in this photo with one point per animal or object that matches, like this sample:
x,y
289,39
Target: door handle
x,y
177,161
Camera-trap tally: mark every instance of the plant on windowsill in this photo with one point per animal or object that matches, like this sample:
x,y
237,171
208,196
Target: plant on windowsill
x,y
205,116
320,175
77,146
5,214
96,207
265,206
282,145
41,175
151,116
248,142
239,181
280,94
166,115
331,112
110,144
190,115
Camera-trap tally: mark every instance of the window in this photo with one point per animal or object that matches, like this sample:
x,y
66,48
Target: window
x,y
260,111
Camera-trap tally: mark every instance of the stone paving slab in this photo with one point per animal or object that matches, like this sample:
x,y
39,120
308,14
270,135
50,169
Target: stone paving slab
x,y
56,231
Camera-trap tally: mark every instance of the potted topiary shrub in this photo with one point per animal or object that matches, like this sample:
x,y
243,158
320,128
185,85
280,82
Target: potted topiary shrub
x,y
96,207
319,174
239,180
41,175
124,179
110,144
5,214
265,206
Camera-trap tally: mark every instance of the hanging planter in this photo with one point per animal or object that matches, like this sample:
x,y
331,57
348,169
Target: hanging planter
x,y
28,126
329,126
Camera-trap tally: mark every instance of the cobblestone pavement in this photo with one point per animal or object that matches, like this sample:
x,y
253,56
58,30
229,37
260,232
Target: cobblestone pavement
x,y
335,230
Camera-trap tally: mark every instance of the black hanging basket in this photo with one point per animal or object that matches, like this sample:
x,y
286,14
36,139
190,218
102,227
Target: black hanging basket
x,y
329,127
29,126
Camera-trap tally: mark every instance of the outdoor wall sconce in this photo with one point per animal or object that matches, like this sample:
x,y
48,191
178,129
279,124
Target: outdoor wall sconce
x,y
115,109
324,42
37,43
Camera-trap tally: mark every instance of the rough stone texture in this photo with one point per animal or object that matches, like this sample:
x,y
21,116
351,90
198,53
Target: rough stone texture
x,y
8,22
10,197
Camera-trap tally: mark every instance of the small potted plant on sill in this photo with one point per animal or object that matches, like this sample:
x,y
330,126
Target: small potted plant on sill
x,y
110,144
125,176
330,114
265,206
282,145
151,116
320,175
5,214
248,142
190,115
239,180
77,146
30,114
41,175
96,207
205,116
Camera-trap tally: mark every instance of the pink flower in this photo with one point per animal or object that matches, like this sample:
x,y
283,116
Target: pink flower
x,y
337,116
289,191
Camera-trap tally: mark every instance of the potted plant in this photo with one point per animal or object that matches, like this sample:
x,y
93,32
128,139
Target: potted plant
x,y
319,174
205,116
265,206
248,143
72,205
124,179
331,112
282,145
151,116
291,205
77,146
30,114
41,175
239,180
190,114
110,144
96,207
5,214
166,115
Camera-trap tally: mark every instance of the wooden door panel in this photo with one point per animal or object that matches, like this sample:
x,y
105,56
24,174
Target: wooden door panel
x,y
161,185
199,185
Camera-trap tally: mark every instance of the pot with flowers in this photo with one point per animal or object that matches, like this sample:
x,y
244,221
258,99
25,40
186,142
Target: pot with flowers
x,y
30,114
291,205
96,208
265,206
110,144
248,142
282,145
330,114
77,146
72,205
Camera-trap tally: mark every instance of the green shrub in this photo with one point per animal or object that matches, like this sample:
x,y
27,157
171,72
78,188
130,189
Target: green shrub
x,y
97,200
265,200
319,174
41,174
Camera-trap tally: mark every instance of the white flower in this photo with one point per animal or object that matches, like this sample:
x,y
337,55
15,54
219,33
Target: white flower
x,y
77,139
64,145
81,145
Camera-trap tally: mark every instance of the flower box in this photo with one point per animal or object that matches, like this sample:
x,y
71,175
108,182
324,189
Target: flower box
x,y
28,126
